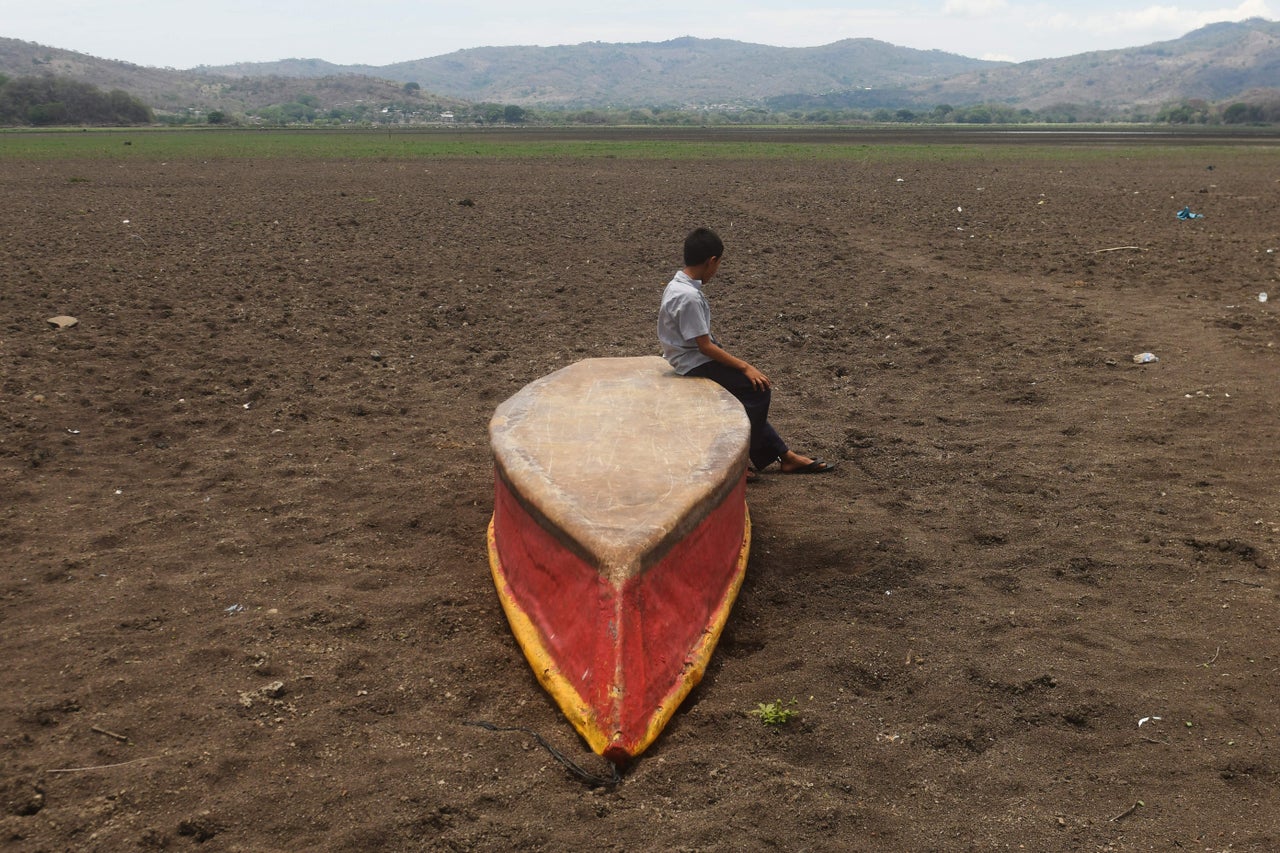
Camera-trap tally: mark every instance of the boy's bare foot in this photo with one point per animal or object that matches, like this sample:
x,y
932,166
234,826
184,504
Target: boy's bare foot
x,y
794,463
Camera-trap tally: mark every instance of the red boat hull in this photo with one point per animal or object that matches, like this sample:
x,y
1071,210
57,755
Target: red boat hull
x,y
619,639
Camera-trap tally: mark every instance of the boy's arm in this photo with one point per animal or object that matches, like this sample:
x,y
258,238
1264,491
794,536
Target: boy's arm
x,y
715,352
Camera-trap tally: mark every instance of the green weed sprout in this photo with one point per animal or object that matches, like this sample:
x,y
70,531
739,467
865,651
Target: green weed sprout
x,y
776,713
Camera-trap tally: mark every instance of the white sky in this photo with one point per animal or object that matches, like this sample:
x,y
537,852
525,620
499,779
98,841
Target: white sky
x,y
186,33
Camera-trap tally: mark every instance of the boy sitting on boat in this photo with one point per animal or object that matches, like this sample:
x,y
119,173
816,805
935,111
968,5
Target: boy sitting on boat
x,y
684,328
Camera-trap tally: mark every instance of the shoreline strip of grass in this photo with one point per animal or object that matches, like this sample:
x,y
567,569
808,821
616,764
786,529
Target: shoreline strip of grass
x,y
683,144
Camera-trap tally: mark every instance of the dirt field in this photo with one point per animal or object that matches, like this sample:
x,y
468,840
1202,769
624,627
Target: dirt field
x,y
244,596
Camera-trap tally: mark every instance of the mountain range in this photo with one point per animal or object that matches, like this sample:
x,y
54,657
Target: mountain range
x,y
681,72
1216,63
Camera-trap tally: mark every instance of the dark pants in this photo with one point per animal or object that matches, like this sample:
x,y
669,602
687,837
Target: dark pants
x,y
766,445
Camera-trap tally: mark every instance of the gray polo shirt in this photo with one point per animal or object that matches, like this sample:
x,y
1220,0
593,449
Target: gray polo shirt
x,y
683,317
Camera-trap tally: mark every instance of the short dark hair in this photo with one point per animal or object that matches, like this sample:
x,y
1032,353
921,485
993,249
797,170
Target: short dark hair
x,y
701,245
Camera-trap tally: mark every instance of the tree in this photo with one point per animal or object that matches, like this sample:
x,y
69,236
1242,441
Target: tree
x,y
1194,111
296,112
513,114
489,113
1241,113
48,113
127,108
61,100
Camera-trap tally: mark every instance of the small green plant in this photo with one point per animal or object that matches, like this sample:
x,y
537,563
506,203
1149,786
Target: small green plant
x,y
776,713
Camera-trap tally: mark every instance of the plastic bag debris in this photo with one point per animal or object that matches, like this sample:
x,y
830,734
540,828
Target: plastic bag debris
x,y
1145,358
1186,213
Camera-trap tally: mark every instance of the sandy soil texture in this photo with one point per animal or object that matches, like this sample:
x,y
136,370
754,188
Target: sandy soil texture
x,y
244,596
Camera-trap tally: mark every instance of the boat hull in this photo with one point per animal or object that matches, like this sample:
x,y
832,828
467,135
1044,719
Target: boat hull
x,y
619,626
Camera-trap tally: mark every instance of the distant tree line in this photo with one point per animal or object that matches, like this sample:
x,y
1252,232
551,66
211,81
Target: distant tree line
x,y
307,111
48,100
1261,111
731,115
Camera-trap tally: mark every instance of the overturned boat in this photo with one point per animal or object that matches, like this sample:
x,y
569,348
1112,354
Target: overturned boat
x,y
619,538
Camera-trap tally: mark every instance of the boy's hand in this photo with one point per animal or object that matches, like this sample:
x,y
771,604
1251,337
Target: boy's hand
x,y
758,380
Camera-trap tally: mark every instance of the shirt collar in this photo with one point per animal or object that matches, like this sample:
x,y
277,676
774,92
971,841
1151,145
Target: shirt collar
x,y
683,278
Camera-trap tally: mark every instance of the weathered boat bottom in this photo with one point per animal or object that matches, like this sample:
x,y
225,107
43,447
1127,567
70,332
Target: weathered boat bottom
x,y
619,537
618,657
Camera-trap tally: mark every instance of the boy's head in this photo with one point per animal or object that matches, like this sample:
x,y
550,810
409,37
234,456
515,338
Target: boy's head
x,y
702,245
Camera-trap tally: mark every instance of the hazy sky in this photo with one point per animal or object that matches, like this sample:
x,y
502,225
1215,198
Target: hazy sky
x,y
185,33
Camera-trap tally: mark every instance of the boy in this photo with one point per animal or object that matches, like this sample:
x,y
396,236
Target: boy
x,y
684,328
